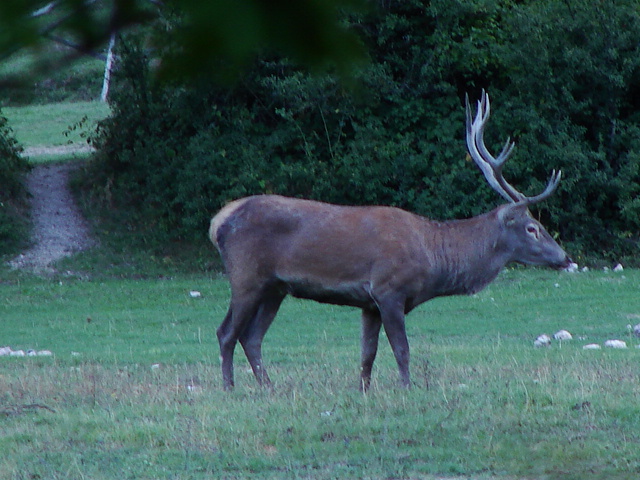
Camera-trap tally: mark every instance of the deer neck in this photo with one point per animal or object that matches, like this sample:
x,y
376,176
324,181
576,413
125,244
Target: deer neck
x,y
468,254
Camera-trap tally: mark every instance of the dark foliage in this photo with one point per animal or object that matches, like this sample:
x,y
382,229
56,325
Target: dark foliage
x,y
12,191
564,78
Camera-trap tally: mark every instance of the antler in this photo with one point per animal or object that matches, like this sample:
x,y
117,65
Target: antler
x,y
492,167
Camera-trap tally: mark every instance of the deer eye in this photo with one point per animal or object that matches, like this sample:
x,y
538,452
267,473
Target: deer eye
x,y
533,230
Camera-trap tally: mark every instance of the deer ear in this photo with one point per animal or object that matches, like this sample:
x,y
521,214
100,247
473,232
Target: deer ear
x,y
508,214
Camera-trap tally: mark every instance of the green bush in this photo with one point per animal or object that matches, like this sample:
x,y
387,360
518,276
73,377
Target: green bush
x,y
575,72
563,77
12,193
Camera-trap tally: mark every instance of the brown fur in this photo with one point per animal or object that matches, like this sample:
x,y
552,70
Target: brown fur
x,y
383,260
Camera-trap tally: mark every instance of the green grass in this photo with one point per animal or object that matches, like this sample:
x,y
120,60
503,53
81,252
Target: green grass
x,y
485,404
55,124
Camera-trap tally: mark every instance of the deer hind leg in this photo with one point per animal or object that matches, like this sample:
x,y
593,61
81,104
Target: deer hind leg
x,y
252,336
371,323
239,316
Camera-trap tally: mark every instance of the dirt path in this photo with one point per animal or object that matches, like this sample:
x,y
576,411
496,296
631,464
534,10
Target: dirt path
x,y
59,230
39,150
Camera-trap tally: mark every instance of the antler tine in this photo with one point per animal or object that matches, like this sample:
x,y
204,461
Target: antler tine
x,y
490,166
473,148
556,175
506,151
482,109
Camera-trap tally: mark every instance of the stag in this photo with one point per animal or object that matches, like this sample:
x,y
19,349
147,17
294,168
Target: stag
x,y
383,260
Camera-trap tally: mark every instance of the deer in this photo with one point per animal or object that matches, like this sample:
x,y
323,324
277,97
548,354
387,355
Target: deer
x,y
383,260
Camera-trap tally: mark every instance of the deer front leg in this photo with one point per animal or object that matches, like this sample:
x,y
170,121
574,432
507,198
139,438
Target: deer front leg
x,y
371,324
392,315
226,350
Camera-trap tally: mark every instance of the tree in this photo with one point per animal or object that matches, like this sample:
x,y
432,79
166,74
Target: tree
x,y
211,32
566,90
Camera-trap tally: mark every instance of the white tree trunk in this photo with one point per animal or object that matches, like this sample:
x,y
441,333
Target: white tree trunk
x,y
107,69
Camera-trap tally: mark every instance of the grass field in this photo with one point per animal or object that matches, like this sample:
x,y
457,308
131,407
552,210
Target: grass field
x,y
133,389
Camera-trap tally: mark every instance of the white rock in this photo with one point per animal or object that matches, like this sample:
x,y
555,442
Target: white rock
x,y
615,344
4,351
195,294
542,341
585,269
194,388
44,353
591,346
155,366
618,268
636,330
572,268
562,335
17,353
31,353
605,269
